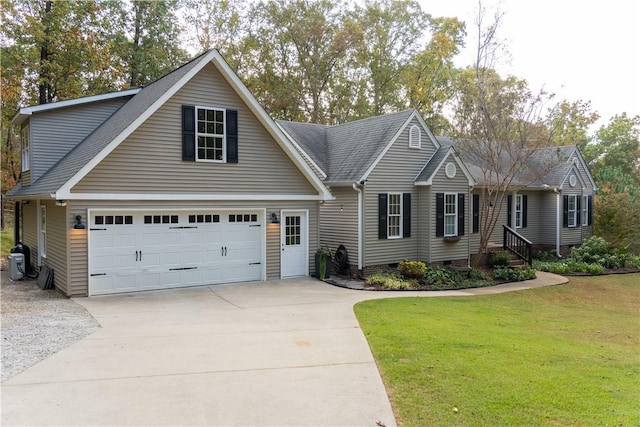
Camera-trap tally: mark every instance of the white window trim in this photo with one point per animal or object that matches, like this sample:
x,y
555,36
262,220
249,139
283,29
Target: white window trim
x,y
389,215
585,211
454,214
415,129
224,135
519,216
25,141
572,213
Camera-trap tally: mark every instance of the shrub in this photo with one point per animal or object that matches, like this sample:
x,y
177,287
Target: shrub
x,y
442,277
412,269
546,256
499,259
592,250
513,274
392,281
634,261
476,274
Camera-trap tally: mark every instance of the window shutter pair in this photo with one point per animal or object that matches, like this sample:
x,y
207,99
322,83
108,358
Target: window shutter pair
x,y
440,214
383,215
189,134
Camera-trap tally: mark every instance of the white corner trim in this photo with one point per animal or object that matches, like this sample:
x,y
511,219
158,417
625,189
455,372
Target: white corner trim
x,y
301,150
185,197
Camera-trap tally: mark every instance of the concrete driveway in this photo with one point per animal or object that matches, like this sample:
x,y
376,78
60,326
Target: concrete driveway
x,y
265,353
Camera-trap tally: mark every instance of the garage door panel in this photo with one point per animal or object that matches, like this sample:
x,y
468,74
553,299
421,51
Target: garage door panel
x,y
191,249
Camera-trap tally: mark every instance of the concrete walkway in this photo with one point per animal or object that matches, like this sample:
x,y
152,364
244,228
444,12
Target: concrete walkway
x,y
264,353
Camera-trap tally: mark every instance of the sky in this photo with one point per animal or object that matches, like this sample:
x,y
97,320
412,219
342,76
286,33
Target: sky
x,y
579,50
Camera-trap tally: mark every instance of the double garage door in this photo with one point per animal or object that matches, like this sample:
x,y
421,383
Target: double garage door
x,y
134,251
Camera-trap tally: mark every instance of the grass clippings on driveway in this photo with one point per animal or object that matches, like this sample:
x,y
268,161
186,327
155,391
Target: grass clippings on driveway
x,y
563,355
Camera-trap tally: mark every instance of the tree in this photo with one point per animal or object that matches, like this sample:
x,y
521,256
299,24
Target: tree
x,y
427,77
391,36
500,128
570,121
616,145
146,38
302,45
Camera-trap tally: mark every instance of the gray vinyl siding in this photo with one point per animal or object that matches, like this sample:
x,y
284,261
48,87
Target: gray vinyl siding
x,y
78,249
55,132
571,235
150,160
30,229
440,249
57,259
340,227
534,211
395,173
425,222
25,178
549,217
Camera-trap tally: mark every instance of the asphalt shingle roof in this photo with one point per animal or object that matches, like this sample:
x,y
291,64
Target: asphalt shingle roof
x,y
346,151
92,145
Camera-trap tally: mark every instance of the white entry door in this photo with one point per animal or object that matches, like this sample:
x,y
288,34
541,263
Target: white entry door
x,y
294,231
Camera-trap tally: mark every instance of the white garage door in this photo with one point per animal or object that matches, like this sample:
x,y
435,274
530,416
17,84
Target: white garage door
x,y
134,251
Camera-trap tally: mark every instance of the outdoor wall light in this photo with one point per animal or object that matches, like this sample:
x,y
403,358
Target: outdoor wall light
x,y
79,225
61,203
274,218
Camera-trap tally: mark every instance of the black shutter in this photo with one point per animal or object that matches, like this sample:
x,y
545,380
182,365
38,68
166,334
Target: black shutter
x,y
188,133
565,211
589,210
524,210
509,205
461,214
382,216
439,214
476,213
406,215
232,136
578,211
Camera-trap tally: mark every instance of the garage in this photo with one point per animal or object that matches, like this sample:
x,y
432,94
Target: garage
x,y
145,250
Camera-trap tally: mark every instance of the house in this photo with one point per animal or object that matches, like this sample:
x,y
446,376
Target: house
x,y
184,182
188,182
401,193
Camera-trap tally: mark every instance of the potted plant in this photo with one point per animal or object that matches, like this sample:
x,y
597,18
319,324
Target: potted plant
x,y
323,266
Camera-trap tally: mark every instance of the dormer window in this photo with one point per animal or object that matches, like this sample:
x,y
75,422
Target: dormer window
x,y
415,137
26,148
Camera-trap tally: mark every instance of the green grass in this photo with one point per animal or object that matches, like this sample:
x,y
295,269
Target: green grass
x,y
6,241
563,355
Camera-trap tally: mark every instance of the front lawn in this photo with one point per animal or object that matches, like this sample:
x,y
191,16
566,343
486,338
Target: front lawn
x,y
563,355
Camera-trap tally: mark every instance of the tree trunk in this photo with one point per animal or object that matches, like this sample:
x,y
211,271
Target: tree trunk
x,y
44,85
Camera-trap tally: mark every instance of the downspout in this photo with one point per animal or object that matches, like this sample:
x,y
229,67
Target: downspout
x,y
359,190
558,220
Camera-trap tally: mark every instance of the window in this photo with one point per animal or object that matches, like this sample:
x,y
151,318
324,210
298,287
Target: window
x,y
519,211
572,210
585,210
415,137
210,134
43,232
26,147
450,214
394,215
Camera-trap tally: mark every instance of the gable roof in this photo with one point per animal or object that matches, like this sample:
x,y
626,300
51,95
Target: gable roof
x,y
348,152
435,163
59,180
557,161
